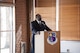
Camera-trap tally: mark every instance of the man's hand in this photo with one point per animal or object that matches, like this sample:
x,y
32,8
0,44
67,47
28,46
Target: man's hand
x,y
38,32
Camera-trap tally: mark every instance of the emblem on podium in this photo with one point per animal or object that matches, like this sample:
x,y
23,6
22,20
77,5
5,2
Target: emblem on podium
x,y
52,39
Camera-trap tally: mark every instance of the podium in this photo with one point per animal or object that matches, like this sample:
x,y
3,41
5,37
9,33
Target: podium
x,y
47,42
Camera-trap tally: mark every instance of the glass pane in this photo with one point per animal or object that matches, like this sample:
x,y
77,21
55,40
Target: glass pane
x,y
7,26
5,41
6,18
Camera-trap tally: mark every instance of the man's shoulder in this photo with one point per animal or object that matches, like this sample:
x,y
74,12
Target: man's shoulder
x,y
43,21
33,21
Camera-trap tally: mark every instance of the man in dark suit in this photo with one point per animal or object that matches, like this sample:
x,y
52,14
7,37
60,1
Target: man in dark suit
x,y
37,26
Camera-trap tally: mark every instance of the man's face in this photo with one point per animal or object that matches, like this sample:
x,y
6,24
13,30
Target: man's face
x,y
38,18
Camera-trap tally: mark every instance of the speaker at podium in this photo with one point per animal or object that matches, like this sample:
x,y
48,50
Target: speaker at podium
x,y
47,42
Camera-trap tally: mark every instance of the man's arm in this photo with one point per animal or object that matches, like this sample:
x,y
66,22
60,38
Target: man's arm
x,y
46,27
34,31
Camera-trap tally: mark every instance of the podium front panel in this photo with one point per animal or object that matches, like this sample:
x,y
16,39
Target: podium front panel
x,y
53,47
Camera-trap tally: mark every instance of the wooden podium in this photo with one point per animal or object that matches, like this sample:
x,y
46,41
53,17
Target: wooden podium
x,y
47,42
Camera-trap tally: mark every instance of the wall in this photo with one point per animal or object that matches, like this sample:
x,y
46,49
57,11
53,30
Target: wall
x,y
22,33
69,24
47,9
73,46
7,1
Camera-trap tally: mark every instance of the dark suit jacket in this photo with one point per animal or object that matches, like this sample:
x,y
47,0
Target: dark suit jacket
x,y
36,27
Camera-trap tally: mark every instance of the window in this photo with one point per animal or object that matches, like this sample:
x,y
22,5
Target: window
x,y
7,29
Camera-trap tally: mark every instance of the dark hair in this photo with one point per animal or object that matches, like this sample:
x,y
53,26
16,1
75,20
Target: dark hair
x,y
38,15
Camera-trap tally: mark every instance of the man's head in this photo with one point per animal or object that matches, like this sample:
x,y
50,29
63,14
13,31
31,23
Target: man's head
x,y
38,17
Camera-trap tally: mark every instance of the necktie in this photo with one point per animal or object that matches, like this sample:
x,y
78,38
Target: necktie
x,y
39,22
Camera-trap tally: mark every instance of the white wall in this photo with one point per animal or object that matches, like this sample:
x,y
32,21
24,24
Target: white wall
x,y
73,46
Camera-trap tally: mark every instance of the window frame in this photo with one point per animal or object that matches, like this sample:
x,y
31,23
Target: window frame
x,y
12,45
